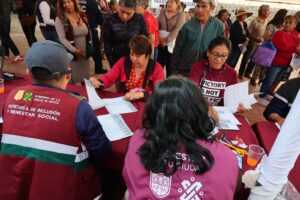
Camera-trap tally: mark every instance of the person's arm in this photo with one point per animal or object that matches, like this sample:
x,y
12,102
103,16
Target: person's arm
x,y
62,35
251,29
62,38
110,77
144,29
178,49
276,118
195,73
180,22
91,131
45,11
108,40
275,109
94,8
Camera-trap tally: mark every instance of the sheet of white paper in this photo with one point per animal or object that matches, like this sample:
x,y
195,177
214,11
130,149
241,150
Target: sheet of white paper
x,y
1,120
94,100
114,126
226,116
238,94
118,106
171,44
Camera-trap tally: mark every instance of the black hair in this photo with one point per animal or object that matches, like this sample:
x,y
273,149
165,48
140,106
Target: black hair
x,y
218,41
41,75
176,115
278,17
221,12
128,3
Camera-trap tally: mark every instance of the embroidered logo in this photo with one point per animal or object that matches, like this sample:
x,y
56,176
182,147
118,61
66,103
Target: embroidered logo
x,y
19,95
28,96
190,190
160,185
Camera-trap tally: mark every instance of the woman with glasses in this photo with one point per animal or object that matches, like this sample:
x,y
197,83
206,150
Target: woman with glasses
x,y
213,74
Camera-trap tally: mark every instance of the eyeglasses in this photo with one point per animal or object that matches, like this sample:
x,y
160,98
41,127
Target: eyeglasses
x,y
217,55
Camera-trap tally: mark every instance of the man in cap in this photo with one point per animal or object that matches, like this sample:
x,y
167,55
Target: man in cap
x,y
48,133
194,37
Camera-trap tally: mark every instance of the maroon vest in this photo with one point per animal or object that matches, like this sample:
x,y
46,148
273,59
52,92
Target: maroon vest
x,y
42,155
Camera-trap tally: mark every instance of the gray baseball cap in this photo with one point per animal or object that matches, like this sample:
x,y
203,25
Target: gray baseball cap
x,y
49,55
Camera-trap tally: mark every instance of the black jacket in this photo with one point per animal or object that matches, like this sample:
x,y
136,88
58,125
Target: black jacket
x,y
117,35
93,12
237,36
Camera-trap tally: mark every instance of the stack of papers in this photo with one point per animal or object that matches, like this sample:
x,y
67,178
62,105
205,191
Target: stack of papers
x,y
94,100
119,106
238,94
114,126
227,120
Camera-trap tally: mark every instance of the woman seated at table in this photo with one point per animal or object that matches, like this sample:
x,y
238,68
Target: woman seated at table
x,y
213,74
137,74
174,155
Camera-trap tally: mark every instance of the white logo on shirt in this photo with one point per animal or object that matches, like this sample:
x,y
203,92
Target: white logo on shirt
x,y
190,190
160,185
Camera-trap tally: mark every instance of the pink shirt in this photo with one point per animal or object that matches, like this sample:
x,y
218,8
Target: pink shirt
x,y
218,183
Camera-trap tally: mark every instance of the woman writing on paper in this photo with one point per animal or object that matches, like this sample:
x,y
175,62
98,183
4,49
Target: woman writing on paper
x,y
175,148
137,74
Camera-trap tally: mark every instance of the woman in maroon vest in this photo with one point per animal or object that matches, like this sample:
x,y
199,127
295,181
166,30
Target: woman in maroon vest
x,y
174,155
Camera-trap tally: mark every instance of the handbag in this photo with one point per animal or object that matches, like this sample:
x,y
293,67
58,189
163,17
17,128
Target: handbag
x,y
264,54
27,20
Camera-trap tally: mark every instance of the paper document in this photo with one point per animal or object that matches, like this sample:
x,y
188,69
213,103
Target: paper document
x,y
238,94
171,44
1,120
118,106
94,100
227,120
114,126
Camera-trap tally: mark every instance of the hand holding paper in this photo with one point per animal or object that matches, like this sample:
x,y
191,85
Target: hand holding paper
x,y
237,94
94,100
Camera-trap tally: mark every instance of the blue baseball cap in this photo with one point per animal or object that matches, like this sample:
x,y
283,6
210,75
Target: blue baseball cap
x,y
49,55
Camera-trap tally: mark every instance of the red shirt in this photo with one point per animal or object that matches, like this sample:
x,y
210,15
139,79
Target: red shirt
x,y
118,73
215,81
152,26
286,44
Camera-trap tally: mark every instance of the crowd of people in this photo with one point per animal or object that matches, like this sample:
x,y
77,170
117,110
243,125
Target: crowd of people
x,y
200,54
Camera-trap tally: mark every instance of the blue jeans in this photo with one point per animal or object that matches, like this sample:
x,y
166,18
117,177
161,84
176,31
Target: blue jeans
x,y
155,54
273,73
49,33
234,57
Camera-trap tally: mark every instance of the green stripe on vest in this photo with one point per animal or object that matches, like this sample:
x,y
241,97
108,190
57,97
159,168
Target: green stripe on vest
x,y
43,156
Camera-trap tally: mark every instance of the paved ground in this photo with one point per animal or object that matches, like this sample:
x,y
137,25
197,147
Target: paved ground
x,y
253,115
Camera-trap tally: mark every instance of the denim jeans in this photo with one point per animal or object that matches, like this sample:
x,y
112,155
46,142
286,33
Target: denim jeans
x,y
273,73
234,57
155,54
247,65
49,33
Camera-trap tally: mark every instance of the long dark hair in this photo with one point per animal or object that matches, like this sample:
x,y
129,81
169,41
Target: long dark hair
x,y
278,17
176,116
